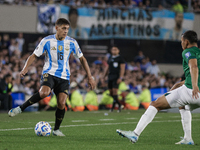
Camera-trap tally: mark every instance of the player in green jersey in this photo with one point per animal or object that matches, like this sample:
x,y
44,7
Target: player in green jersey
x,y
185,94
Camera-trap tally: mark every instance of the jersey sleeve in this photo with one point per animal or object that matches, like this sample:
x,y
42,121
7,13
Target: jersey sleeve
x,y
122,61
188,54
40,48
77,51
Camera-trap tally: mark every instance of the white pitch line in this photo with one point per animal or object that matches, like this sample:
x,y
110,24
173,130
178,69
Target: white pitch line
x,y
130,118
98,124
106,119
96,112
157,117
79,120
175,116
15,129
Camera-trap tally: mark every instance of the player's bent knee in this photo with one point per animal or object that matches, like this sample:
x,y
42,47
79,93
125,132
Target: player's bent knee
x,y
61,105
44,94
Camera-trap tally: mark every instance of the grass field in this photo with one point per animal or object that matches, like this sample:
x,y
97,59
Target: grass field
x,y
95,131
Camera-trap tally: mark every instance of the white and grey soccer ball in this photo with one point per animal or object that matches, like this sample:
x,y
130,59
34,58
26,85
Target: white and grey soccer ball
x,y
42,128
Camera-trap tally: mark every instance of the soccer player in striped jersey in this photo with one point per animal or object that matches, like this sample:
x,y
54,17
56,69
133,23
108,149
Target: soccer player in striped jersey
x,y
56,71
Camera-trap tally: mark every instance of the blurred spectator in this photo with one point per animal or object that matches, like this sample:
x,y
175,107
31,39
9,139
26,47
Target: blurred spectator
x,y
196,5
132,66
131,101
6,41
176,32
147,4
5,91
27,88
20,41
76,98
106,101
98,61
145,97
12,47
139,57
137,2
162,80
153,68
144,65
101,4
91,100
177,7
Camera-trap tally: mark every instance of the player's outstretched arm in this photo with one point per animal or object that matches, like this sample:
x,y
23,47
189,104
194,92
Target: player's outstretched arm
x,y
91,81
29,61
194,71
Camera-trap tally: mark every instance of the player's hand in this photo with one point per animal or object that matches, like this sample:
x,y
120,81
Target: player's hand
x,y
195,92
23,72
119,81
91,82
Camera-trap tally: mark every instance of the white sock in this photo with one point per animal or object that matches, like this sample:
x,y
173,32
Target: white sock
x,y
146,118
186,119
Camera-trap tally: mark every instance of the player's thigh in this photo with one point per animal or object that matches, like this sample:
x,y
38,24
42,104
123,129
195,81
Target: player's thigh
x,y
47,85
161,103
61,86
178,97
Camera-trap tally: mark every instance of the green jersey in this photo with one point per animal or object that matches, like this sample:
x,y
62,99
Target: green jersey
x,y
187,54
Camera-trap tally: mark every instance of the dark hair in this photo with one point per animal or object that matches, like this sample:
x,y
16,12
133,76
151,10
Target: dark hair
x,y
191,36
7,76
73,11
62,21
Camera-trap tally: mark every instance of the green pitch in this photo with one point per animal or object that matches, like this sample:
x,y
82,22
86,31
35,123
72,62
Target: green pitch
x,y
95,131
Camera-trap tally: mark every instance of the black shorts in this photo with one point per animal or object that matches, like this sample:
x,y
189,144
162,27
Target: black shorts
x,y
58,85
112,84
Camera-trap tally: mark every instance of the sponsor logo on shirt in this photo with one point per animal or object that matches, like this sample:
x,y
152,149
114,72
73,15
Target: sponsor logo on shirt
x,y
115,64
187,55
60,48
67,47
53,48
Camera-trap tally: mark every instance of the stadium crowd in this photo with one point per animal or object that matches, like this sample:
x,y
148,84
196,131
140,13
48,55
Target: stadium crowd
x,y
140,73
179,5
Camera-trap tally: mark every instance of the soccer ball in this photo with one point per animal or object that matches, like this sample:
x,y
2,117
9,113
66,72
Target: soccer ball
x,y
42,128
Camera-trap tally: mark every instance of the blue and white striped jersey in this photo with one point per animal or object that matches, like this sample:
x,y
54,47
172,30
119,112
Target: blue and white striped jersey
x,y
57,55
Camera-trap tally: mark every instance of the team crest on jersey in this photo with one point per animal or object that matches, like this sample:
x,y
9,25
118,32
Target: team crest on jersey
x,y
53,48
187,55
67,47
115,64
60,48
